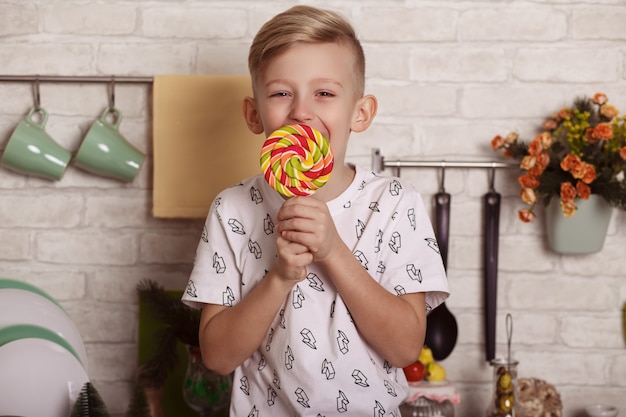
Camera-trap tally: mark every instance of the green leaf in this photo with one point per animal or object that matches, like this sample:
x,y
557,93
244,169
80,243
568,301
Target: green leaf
x,y
89,403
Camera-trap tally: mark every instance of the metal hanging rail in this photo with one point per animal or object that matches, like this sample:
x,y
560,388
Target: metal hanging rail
x,y
379,163
77,79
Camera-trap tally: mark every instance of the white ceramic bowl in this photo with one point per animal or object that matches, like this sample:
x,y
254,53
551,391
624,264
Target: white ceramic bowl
x,y
19,306
39,378
601,410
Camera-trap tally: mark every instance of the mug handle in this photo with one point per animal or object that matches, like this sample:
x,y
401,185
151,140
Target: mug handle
x,y
118,117
44,117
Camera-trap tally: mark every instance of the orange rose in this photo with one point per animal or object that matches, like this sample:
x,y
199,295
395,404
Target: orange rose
x,y
497,142
579,171
589,135
583,190
599,98
543,159
511,138
602,131
565,113
622,153
528,181
568,192
527,162
550,124
570,161
568,208
609,111
536,171
546,140
528,196
526,215
535,146
590,174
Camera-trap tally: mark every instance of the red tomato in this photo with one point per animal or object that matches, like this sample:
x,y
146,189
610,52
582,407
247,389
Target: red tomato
x,y
415,371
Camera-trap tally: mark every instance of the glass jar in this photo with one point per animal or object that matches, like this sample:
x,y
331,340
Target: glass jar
x,y
505,401
424,407
206,392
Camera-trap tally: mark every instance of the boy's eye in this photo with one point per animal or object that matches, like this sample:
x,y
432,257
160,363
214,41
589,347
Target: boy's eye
x,y
325,94
279,94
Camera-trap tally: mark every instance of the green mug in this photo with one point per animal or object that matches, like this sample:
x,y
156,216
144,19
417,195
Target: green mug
x,y
32,151
104,151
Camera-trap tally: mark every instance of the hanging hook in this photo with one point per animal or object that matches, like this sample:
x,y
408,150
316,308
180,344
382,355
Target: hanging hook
x,y
36,93
112,93
492,177
378,163
443,177
509,337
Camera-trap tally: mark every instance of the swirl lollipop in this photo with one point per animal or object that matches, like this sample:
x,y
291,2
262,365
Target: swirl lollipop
x,y
296,160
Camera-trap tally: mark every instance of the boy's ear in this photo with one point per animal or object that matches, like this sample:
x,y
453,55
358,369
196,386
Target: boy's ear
x,y
251,115
365,111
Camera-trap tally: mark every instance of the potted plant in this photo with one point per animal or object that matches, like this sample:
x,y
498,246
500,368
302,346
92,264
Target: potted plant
x,y
204,391
579,158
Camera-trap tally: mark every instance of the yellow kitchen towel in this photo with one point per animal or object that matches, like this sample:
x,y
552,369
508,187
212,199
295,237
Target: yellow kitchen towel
x,y
201,142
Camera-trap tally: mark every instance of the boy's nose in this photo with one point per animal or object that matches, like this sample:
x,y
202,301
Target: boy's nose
x,y
301,111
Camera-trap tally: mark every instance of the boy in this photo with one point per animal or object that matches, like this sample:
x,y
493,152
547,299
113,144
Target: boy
x,y
315,302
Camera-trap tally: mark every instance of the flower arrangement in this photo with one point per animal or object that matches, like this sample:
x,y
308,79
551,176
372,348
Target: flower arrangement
x,y
581,151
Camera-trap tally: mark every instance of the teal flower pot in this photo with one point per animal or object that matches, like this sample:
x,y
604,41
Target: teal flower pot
x,y
584,232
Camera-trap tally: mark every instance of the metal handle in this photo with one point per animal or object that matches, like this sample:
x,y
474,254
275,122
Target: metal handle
x,y
442,224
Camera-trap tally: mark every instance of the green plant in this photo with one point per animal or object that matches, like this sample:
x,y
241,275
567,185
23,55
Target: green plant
x,y
180,323
89,403
138,406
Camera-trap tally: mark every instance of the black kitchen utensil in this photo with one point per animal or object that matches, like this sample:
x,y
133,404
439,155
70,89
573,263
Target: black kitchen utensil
x,y
442,329
490,253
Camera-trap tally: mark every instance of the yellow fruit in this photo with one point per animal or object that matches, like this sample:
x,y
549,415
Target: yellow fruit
x,y
435,372
505,383
504,404
426,356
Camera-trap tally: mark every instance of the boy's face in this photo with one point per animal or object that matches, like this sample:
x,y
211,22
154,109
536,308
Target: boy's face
x,y
312,84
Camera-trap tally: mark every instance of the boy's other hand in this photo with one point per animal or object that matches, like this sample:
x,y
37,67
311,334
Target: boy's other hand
x,y
307,221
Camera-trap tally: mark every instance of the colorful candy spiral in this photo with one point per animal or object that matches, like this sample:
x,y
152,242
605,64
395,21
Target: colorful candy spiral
x,y
296,160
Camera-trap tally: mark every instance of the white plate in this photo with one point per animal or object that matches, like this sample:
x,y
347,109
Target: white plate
x,y
39,378
19,306
22,285
30,331
601,410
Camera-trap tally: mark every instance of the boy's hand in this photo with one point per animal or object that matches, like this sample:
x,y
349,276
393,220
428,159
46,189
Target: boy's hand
x,y
292,260
307,221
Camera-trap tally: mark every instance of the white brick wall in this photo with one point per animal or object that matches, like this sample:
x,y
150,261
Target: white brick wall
x,y
448,74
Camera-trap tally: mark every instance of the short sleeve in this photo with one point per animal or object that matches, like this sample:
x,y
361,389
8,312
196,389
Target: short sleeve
x,y
411,254
215,277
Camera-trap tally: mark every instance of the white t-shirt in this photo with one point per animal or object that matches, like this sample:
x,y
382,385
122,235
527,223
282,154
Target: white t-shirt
x,y
313,361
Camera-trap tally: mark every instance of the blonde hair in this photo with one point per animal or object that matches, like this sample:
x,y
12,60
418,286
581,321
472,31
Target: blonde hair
x,y
307,25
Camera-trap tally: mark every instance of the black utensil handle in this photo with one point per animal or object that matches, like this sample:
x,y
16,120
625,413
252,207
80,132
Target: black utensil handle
x,y
442,224
441,326
492,230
